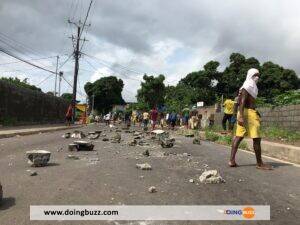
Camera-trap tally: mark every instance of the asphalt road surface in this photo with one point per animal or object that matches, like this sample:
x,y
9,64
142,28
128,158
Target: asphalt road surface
x,y
107,176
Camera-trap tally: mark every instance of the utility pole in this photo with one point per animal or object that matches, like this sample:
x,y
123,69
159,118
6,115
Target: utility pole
x,y
57,58
93,103
59,82
80,27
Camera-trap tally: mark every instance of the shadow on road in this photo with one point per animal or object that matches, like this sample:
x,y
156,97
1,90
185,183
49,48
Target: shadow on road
x,y
6,203
53,164
273,164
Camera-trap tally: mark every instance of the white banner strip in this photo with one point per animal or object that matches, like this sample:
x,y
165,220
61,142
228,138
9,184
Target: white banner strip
x,y
147,212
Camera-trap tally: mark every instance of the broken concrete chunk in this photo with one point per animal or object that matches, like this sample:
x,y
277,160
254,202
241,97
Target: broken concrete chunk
x,y
143,143
38,157
144,166
84,145
152,189
191,180
72,147
33,173
167,142
105,139
66,135
196,141
132,143
78,134
116,138
74,157
211,177
146,153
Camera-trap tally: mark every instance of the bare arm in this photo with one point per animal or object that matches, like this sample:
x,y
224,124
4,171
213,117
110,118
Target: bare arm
x,y
244,96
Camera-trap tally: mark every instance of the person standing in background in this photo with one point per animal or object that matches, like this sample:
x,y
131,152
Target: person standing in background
x,y
228,112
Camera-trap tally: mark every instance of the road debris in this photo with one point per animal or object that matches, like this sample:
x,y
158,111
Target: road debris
x,y
152,189
66,135
143,143
144,166
72,147
74,157
146,153
185,154
78,134
196,141
84,145
32,173
38,157
211,177
93,135
191,180
132,143
116,138
105,139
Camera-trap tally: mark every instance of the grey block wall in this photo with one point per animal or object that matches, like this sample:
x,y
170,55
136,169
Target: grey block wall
x,y
287,117
24,106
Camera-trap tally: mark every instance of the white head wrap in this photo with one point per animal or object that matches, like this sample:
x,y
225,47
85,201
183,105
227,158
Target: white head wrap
x,y
249,84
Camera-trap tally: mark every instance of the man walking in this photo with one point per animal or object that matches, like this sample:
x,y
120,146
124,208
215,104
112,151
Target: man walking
x,y
154,115
228,112
248,120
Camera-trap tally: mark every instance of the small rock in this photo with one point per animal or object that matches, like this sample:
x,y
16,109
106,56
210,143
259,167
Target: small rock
x,y
211,177
191,180
146,153
66,135
141,177
74,157
196,141
132,143
152,189
144,166
105,139
189,160
33,173
186,154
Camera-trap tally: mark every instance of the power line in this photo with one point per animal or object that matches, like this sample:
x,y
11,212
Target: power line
x,y
25,61
44,80
87,14
28,60
69,57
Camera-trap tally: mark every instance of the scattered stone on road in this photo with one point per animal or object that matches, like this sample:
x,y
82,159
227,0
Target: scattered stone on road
x,y
84,145
78,134
196,141
211,177
152,189
32,173
146,153
74,157
105,139
116,138
143,143
186,154
132,143
66,135
191,180
144,166
38,157
72,147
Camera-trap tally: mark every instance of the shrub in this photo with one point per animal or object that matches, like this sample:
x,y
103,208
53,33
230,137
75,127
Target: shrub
x,y
211,136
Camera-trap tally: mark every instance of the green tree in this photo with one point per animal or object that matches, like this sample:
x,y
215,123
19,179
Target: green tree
x,y
67,96
152,91
107,91
20,83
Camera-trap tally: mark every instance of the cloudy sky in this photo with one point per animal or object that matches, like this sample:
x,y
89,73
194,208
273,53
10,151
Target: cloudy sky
x,y
128,38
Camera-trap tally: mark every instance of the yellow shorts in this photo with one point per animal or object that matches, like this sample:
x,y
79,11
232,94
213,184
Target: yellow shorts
x,y
251,126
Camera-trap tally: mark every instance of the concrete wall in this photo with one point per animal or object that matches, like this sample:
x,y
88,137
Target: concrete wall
x,y
23,106
287,117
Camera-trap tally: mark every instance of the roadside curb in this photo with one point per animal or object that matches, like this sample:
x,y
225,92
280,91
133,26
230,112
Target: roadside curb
x,y
289,153
29,131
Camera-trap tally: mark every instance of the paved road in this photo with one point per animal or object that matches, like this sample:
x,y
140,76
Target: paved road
x,y
115,180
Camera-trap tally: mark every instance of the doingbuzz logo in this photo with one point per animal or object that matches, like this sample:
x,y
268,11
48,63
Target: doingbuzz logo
x,y
247,212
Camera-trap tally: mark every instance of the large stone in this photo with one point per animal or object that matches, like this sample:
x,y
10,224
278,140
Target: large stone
x,y
132,143
167,142
116,138
93,136
196,141
78,134
152,189
38,157
66,135
72,147
146,153
84,145
144,166
211,177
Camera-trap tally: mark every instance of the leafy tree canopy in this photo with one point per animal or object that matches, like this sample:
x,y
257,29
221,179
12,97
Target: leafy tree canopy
x,y
152,91
20,83
107,91
67,96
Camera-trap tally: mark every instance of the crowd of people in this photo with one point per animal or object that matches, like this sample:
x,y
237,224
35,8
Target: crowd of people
x,y
155,119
